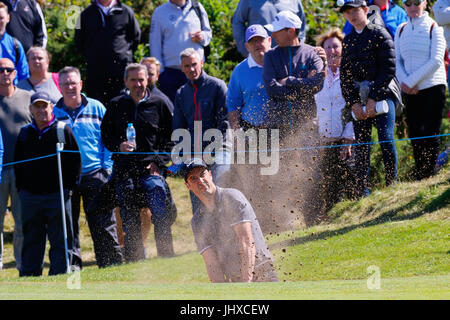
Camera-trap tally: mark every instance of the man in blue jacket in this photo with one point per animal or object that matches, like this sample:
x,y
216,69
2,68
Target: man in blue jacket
x,y
84,116
26,23
200,105
11,48
293,73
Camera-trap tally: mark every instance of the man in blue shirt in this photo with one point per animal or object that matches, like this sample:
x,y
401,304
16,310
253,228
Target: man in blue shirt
x,y
392,15
84,116
248,107
247,100
11,48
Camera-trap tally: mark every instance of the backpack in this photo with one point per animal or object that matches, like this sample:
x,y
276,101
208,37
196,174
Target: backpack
x,y
16,50
196,7
446,57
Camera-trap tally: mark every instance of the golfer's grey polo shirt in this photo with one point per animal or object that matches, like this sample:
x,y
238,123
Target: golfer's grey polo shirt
x,y
216,230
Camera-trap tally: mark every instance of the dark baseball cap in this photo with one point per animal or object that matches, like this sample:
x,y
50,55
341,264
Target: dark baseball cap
x,y
351,3
192,164
40,96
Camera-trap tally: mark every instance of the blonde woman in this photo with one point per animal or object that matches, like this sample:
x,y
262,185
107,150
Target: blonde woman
x,y
333,130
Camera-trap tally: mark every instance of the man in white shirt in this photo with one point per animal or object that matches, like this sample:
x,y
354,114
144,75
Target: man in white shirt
x,y
176,26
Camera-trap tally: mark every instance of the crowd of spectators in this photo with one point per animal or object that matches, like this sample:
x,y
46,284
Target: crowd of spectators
x,y
328,94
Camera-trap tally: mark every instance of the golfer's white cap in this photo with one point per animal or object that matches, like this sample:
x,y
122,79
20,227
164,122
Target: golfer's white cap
x,y
284,19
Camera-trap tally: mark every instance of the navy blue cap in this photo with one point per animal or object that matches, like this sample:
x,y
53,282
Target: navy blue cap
x,y
40,96
192,164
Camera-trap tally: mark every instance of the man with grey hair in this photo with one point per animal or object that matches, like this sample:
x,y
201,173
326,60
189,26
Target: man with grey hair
x,y
139,168
84,116
200,105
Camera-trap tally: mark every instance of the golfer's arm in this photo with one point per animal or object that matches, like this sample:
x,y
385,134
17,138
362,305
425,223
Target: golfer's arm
x,y
247,250
213,268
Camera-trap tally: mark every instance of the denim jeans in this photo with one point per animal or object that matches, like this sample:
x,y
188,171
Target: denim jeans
x,y
42,218
385,124
137,191
8,188
170,80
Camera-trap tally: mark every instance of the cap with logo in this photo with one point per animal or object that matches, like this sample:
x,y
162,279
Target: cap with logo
x,y
255,30
284,19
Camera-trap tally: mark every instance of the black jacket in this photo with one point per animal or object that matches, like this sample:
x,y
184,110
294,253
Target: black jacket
x,y
152,120
41,176
107,42
25,23
367,56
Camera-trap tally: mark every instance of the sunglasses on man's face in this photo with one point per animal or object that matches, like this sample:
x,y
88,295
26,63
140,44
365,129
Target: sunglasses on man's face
x,y
409,3
8,70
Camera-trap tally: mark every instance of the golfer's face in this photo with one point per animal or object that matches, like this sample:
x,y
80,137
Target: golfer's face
x,y
199,181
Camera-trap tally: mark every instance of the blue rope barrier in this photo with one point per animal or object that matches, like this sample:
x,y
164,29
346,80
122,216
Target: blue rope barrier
x,y
284,149
27,160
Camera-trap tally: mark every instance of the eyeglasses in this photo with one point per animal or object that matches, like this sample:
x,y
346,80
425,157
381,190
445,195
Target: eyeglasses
x,y
8,70
69,84
409,3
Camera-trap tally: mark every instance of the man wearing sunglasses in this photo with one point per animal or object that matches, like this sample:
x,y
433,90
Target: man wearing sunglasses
x,y
14,113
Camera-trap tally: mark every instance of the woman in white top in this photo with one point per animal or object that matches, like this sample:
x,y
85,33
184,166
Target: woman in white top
x,y
419,49
40,78
336,174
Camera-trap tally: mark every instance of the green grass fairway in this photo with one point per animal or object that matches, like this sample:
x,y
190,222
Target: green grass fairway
x,y
426,287
391,245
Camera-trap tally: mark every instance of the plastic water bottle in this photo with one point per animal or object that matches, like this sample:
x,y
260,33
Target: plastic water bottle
x,y
380,108
131,135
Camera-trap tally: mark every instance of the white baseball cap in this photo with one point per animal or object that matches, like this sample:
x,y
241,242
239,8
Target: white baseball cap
x,y
284,19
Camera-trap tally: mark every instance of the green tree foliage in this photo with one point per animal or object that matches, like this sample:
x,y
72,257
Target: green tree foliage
x,y
61,17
